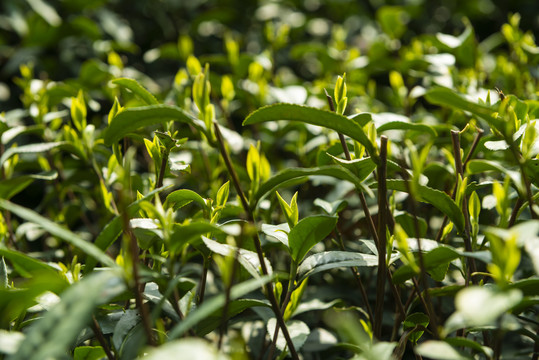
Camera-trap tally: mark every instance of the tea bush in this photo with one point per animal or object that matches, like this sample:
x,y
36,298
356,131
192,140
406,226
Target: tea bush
x,y
316,180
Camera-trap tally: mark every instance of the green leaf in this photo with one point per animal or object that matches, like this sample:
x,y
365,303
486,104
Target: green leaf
x,y
414,321
361,168
312,116
248,259
211,305
4,281
114,228
436,198
222,194
188,348
24,264
89,353
390,121
282,179
440,350
307,233
30,149
137,89
291,212
333,259
234,308
446,97
464,342
185,234
478,166
132,119
433,259
52,335
481,306
298,330
58,231
13,186
182,197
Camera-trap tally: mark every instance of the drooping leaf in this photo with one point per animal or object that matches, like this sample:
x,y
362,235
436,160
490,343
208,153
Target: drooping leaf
x,y
211,305
51,336
187,233
58,231
24,264
132,119
31,149
436,198
417,323
13,186
307,233
390,121
334,259
478,166
279,232
361,168
312,116
235,307
446,97
436,257
182,197
282,178
137,89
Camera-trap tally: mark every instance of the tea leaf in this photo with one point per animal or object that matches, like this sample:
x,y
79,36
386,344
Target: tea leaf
x,y
438,199
24,264
211,305
436,257
137,89
285,178
182,197
132,119
333,259
307,233
58,231
191,348
312,116
51,335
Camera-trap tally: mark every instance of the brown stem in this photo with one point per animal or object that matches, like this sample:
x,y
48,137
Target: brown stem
x,y
99,335
202,285
257,243
382,238
139,286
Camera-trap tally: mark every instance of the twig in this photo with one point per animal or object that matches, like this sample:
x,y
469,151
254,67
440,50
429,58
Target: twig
x,y
258,245
382,238
99,335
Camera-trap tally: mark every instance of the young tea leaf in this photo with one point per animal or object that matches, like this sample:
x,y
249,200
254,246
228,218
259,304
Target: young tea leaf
x,y
137,89
307,233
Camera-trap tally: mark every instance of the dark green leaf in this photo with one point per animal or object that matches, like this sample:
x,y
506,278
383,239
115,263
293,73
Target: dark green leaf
x,y
182,197
234,308
334,259
312,116
51,336
132,119
434,258
436,198
211,305
58,231
281,179
307,233
24,264
13,186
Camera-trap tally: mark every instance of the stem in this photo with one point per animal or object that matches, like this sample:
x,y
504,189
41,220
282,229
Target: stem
x,y
514,213
518,158
163,168
202,285
382,238
139,286
101,338
471,268
258,245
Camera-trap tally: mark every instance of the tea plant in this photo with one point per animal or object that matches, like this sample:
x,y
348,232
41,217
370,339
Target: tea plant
x,y
233,210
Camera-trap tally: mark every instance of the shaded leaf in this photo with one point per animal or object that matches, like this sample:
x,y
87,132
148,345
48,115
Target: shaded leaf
x,y
189,348
182,197
334,259
211,305
440,350
234,308
24,264
13,186
436,257
298,330
58,231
